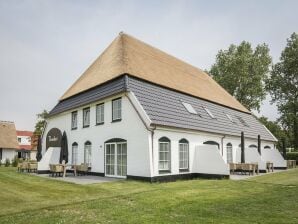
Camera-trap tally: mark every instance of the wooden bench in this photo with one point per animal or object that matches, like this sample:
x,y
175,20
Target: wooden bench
x,y
251,168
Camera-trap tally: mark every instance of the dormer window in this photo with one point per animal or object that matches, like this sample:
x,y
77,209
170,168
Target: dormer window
x,y
189,108
209,112
242,121
230,118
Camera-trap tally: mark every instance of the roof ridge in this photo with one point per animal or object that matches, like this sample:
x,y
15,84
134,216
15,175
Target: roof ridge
x,y
10,122
128,55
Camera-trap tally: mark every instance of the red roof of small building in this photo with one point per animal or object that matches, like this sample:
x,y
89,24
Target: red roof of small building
x,y
25,147
24,133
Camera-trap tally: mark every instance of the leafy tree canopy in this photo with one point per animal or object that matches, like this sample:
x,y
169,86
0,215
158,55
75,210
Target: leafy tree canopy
x,y
276,130
241,70
39,126
283,88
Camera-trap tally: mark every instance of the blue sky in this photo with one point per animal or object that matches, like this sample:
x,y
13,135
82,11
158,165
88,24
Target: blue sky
x,y
46,45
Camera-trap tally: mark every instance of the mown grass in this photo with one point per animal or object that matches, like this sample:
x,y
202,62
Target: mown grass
x,y
266,199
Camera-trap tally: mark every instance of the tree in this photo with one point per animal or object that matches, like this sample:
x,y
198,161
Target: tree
x,y
283,88
39,126
275,129
241,70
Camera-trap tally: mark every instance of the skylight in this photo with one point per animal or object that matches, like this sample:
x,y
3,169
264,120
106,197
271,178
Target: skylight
x,y
230,118
209,112
189,108
242,121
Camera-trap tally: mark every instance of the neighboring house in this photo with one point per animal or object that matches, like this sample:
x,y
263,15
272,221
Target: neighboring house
x,y
140,113
25,145
8,140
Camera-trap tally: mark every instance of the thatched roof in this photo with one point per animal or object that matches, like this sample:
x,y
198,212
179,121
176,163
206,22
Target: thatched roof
x,y
127,55
8,135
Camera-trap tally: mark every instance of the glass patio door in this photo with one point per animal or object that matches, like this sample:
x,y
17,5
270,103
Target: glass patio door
x,y
116,159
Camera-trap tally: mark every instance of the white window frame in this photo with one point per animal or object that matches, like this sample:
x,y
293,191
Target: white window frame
x,y
86,117
100,108
87,154
74,154
229,149
74,122
183,156
167,156
117,109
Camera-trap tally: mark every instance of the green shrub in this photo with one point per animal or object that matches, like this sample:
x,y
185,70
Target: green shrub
x,y
0,162
7,162
292,156
15,161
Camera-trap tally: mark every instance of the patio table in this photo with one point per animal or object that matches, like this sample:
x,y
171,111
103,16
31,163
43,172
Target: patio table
x,y
69,165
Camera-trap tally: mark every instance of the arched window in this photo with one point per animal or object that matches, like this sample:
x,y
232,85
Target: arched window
x,y
267,147
87,153
229,148
252,146
211,143
183,154
74,153
164,162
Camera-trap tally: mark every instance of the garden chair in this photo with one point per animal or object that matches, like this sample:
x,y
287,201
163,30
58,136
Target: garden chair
x,y
33,167
82,169
233,167
24,166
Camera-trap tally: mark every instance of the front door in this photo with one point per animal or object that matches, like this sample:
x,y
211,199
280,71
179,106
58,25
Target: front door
x,y
116,159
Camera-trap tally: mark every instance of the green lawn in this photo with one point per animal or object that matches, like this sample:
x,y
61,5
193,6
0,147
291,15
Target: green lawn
x,y
267,199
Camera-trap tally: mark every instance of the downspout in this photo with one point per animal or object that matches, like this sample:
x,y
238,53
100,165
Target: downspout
x,y
152,148
222,145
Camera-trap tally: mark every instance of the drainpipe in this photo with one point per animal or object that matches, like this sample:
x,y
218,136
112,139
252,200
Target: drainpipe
x,y
259,144
242,148
222,145
152,148
284,148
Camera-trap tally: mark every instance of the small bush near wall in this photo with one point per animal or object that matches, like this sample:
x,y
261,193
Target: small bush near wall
x,y
15,161
7,162
292,156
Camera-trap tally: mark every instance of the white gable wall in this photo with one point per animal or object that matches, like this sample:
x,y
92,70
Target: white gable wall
x,y
129,128
8,154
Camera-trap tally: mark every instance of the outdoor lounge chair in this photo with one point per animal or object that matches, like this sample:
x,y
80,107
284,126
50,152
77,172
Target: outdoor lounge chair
x,y
56,169
82,169
24,166
32,167
247,167
233,167
19,166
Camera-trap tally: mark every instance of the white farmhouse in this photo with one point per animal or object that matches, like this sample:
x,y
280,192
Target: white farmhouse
x,y
26,150
140,113
8,141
